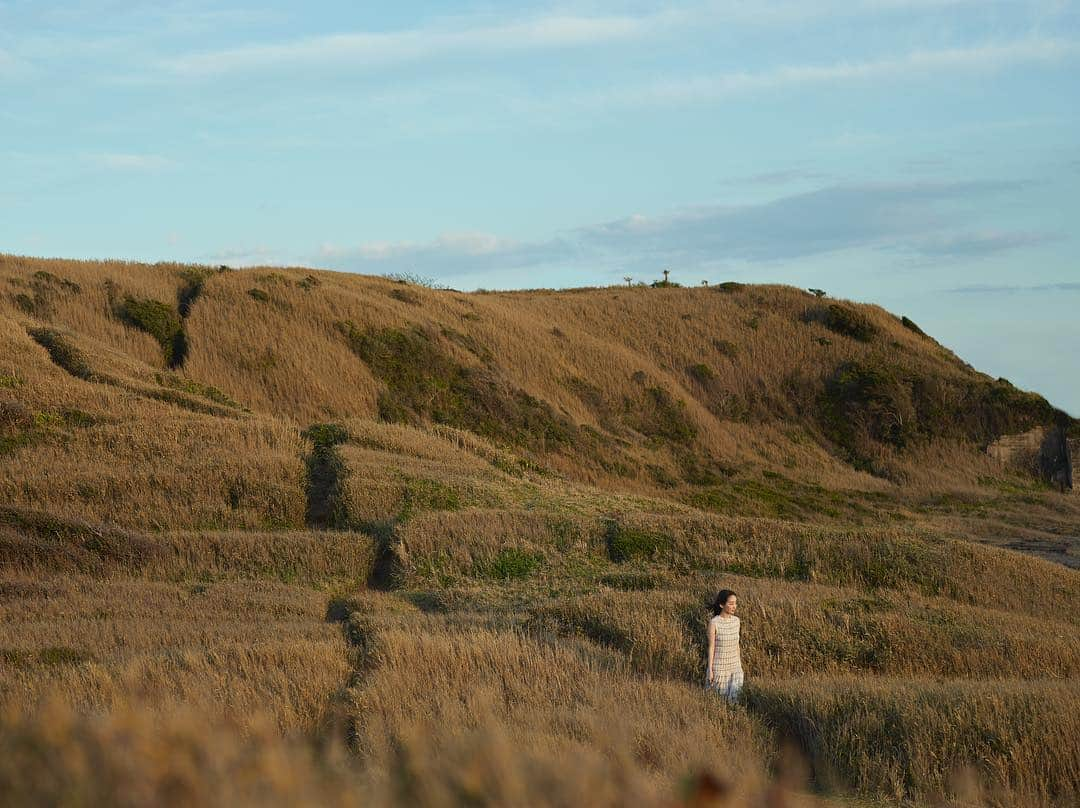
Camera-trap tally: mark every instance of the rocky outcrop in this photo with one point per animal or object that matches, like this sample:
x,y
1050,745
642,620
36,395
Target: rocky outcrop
x,y
1072,446
1046,452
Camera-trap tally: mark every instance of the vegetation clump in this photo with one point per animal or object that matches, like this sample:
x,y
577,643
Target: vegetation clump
x,y
910,325
405,296
844,320
192,387
326,435
258,294
159,320
511,564
865,404
726,348
701,373
627,543
62,352
424,383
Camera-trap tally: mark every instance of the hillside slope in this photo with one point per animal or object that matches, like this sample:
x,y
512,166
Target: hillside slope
x,y
761,401
288,536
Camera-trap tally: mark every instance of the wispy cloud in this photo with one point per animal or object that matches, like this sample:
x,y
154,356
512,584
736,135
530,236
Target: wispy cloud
x,y
923,218
923,63
376,49
984,289
12,66
450,254
259,255
131,162
985,242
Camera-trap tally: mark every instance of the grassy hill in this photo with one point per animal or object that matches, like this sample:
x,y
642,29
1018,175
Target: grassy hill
x,y
429,546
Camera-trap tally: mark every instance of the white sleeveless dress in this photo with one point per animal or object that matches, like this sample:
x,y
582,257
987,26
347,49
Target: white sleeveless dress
x,y
727,661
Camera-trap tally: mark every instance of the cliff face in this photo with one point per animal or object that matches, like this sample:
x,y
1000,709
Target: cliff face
x,y
1073,449
1046,452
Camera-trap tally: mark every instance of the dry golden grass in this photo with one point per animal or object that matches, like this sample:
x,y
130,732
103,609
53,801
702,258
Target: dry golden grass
x,y
792,629
231,648
424,676
1017,741
453,544
544,645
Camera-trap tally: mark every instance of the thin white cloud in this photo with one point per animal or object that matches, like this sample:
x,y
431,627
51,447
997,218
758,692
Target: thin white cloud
x,y
450,253
373,49
917,64
917,218
12,66
131,162
259,255
1008,289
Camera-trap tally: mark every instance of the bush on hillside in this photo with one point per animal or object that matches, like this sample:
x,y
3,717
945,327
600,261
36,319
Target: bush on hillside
x,y
844,320
910,325
626,543
424,383
62,352
865,404
159,320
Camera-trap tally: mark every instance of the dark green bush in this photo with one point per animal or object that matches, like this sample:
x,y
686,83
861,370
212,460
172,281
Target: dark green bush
x,y
424,382
428,495
63,656
910,325
864,403
62,352
195,388
159,320
259,294
849,322
725,348
729,286
629,543
405,296
701,373
326,434
661,415
662,476
511,564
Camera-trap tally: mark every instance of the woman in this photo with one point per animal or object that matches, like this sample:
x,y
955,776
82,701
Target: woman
x,y
724,673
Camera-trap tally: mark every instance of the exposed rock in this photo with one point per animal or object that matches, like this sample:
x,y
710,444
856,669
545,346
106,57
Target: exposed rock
x,y
1045,452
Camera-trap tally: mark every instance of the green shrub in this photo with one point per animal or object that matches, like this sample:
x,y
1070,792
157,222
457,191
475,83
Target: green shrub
x,y
159,320
510,564
864,403
323,435
729,286
405,296
58,655
424,382
910,325
725,348
428,495
662,476
195,388
701,373
628,543
660,415
62,352
259,294
843,320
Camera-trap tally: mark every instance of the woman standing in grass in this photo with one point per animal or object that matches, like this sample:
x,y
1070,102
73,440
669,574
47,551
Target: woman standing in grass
x,y
724,673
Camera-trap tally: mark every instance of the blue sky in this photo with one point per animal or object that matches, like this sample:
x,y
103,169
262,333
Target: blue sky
x,y
919,154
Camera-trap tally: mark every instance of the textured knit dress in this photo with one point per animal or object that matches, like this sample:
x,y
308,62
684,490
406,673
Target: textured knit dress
x,y
726,662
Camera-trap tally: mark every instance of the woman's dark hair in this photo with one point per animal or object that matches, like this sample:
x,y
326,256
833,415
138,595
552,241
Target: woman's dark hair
x,y
721,599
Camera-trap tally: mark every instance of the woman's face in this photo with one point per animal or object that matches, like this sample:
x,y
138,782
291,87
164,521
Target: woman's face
x,y
731,605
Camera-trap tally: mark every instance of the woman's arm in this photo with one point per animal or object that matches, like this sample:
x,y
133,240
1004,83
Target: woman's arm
x,y
712,646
